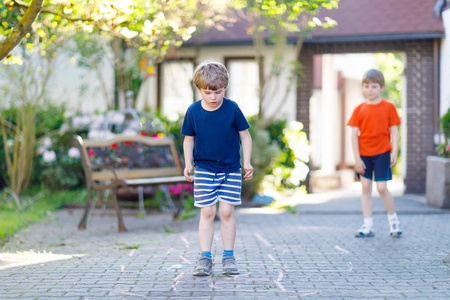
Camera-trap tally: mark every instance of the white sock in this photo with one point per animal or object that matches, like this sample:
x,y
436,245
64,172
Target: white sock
x,y
392,217
368,221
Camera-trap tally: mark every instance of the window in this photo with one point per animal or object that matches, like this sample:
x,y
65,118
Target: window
x,y
244,84
176,88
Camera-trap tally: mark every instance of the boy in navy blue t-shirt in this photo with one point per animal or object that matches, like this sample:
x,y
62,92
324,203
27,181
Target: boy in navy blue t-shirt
x,y
214,127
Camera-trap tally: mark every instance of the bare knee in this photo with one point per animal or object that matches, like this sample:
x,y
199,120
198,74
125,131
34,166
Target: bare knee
x,y
208,213
382,188
226,212
366,186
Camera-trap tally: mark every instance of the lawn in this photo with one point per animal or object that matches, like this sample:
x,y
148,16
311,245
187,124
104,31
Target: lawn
x,y
13,219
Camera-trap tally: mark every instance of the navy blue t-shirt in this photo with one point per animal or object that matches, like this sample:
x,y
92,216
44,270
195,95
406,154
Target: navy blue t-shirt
x,y
216,135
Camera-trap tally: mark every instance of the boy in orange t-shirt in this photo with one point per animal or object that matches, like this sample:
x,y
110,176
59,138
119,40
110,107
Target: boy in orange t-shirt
x,y
374,123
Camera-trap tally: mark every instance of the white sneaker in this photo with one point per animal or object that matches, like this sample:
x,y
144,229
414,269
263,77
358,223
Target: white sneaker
x,y
365,231
395,230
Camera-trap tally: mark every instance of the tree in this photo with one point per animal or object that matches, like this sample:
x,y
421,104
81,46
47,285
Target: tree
x,y
21,29
274,21
152,26
39,27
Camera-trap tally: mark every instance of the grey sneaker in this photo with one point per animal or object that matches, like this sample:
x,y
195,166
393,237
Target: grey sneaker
x,y
204,266
229,265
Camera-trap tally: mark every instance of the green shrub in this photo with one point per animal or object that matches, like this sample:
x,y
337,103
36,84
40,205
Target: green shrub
x,y
264,152
445,124
443,148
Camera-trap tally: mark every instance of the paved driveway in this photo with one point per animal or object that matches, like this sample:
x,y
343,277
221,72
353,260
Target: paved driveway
x,y
309,254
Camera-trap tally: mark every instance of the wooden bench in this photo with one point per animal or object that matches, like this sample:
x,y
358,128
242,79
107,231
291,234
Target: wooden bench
x,y
125,161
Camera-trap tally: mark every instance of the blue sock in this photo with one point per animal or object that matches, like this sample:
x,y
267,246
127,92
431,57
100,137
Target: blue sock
x,y
228,253
206,253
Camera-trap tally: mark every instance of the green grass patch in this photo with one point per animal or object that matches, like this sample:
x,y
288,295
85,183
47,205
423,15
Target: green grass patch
x,y
13,219
130,247
168,230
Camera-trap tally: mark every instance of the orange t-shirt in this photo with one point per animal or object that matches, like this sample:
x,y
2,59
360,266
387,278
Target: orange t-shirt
x,y
374,121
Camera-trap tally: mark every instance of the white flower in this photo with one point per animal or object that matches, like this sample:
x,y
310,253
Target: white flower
x,y
74,152
133,124
117,118
47,142
49,156
68,114
41,150
129,131
107,135
64,127
80,121
93,134
100,134
96,122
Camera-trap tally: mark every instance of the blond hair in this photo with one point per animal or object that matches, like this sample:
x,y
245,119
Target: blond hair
x,y
211,75
373,75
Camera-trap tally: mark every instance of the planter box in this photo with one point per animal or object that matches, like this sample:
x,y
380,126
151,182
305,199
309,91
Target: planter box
x,y
438,181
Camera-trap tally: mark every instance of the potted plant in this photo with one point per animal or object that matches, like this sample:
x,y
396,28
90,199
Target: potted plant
x,y
438,168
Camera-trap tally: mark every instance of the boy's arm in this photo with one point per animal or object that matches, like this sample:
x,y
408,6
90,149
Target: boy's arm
x,y
395,140
360,167
188,148
246,141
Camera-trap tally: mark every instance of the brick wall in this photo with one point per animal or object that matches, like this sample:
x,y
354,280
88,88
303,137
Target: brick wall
x,y
420,98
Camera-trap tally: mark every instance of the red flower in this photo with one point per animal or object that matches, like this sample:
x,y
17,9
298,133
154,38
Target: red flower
x,y
158,135
91,152
175,189
114,146
188,187
144,133
128,143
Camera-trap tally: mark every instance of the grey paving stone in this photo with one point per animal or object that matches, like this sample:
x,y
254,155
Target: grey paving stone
x,y
312,254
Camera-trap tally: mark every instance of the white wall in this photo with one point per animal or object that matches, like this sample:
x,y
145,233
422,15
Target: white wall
x,y
275,91
79,88
445,65
353,67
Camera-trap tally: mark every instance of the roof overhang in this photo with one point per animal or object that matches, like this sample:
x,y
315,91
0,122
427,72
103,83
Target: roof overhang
x,y
376,38
328,39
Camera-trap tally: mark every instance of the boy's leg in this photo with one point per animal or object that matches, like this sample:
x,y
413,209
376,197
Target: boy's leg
x,y
386,197
228,231
206,227
206,234
383,173
228,225
366,197
366,230
389,204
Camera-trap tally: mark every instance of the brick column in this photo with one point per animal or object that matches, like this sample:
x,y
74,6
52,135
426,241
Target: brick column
x,y
304,93
419,112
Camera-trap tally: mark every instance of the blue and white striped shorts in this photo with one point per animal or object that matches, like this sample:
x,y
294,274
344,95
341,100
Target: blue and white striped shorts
x,y
210,187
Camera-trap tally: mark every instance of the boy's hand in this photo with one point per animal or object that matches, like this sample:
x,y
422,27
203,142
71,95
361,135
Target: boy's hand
x,y
187,172
360,167
393,159
248,171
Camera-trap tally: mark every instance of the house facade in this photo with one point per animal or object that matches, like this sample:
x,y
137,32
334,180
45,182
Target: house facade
x,y
415,29
407,27
333,62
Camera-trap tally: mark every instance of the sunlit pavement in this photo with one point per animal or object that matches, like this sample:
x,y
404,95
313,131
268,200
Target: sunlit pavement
x,y
311,253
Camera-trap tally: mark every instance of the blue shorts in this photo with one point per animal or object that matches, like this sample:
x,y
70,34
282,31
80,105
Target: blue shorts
x,y
380,165
210,187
